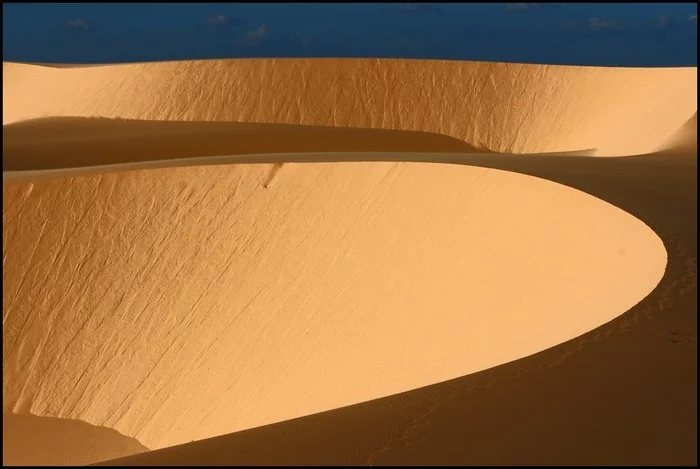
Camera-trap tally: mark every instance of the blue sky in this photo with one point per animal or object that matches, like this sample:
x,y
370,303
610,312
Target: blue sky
x,y
608,34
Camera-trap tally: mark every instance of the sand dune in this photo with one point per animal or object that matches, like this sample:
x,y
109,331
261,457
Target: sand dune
x,y
623,394
507,108
174,271
170,322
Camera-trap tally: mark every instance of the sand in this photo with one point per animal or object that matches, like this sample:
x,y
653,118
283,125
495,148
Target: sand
x,y
507,108
172,301
622,394
29,440
71,142
326,287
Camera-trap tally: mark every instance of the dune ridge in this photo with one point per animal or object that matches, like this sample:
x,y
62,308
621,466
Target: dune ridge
x,y
68,142
684,141
638,372
633,380
301,307
505,108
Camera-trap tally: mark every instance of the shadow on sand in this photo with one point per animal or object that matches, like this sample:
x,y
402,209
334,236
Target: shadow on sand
x,y
28,440
70,142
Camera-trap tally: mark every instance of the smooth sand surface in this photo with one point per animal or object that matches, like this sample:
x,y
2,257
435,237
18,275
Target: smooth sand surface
x,y
179,304
176,303
507,108
684,142
28,440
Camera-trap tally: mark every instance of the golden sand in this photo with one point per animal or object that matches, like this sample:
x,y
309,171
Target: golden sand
x,y
174,301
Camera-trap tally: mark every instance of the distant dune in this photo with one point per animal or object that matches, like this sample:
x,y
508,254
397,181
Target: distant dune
x,y
281,238
507,108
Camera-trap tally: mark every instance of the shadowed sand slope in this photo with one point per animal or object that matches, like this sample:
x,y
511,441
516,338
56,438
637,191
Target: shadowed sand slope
x,y
178,304
28,440
508,108
66,142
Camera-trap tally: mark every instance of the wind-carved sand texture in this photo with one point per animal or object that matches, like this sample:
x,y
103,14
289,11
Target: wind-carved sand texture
x,y
507,108
195,302
173,304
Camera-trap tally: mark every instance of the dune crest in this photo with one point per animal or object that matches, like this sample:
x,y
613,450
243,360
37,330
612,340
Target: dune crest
x,y
178,304
506,108
684,141
71,142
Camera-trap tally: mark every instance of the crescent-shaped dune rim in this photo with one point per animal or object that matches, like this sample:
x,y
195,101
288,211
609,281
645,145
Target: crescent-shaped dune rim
x,y
350,276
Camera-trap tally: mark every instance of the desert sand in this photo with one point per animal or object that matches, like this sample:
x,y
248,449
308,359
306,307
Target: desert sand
x,y
183,260
506,108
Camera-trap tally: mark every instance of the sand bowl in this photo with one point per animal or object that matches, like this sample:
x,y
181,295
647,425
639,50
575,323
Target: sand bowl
x,y
179,304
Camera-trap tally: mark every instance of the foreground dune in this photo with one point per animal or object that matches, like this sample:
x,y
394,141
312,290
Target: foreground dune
x,y
507,108
179,304
622,394
212,280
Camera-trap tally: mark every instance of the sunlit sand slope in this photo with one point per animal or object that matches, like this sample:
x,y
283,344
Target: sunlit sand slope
x,y
510,108
181,303
684,141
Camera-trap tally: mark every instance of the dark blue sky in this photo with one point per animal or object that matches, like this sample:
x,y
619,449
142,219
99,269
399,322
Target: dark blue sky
x,y
612,34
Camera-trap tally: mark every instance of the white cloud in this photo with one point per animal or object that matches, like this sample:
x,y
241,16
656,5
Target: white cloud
x,y
255,37
78,23
218,19
666,21
261,33
597,24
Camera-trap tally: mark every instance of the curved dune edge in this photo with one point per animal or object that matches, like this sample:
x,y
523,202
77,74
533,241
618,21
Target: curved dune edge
x,y
684,141
178,304
67,142
278,159
498,107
